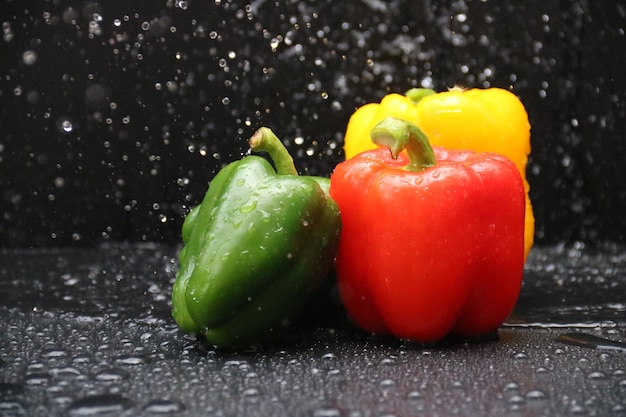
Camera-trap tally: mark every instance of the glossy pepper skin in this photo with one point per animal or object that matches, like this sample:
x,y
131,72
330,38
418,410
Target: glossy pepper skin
x,y
255,249
482,120
432,242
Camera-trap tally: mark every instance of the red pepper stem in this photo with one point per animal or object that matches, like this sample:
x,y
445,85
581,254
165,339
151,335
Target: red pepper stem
x,y
264,140
416,94
397,135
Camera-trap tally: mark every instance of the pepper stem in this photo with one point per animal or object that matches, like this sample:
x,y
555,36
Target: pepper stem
x,y
397,135
416,94
264,140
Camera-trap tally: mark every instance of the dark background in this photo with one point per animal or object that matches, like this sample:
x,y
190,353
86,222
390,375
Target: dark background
x,y
115,115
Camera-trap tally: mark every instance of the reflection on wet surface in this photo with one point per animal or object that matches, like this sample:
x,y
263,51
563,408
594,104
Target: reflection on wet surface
x,y
591,341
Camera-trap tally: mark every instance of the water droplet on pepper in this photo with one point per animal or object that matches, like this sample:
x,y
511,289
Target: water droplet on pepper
x,y
248,207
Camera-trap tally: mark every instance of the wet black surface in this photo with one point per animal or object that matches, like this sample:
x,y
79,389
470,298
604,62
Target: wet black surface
x,y
88,332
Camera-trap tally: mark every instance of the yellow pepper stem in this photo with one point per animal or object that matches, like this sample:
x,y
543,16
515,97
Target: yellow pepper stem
x,y
416,94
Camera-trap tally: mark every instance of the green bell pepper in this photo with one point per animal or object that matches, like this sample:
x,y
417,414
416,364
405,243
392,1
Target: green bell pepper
x,y
256,248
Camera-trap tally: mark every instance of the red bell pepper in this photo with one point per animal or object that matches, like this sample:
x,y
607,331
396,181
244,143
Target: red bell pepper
x,y
432,241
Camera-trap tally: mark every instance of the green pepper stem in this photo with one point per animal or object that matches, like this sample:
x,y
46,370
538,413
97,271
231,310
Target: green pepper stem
x,y
416,94
397,135
264,140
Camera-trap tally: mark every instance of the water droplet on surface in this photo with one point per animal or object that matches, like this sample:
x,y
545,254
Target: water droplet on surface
x,y
327,412
38,379
65,372
12,408
99,405
329,361
161,407
387,385
388,361
512,386
516,402
251,395
251,379
597,376
129,361
577,409
248,207
111,375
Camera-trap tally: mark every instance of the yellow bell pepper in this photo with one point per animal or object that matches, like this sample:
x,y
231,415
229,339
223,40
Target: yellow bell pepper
x,y
482,120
